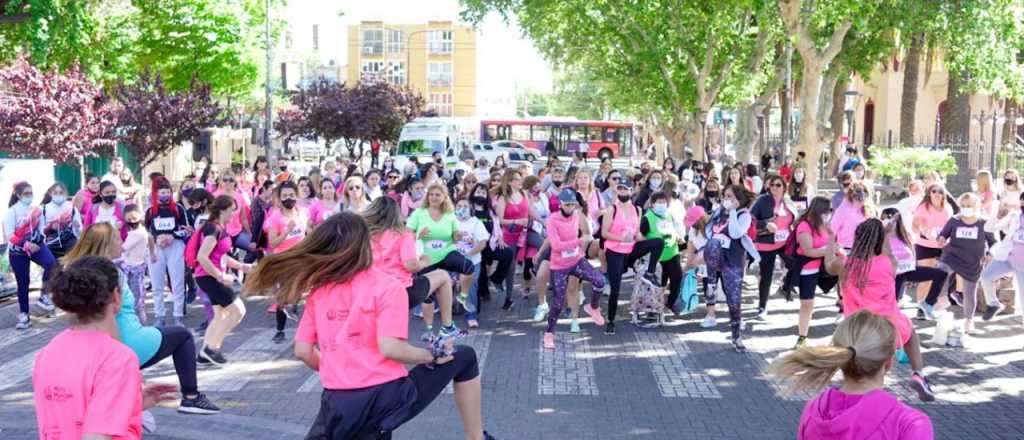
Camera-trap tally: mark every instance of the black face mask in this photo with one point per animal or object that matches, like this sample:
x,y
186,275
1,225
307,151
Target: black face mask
x,y
711,194
109,199
566,213
623,198
556,182
288,204
131,225
1010,182
479,200
283,167
126,181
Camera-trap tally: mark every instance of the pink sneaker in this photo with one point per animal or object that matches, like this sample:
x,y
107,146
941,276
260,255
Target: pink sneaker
x,y
272,309
473,323
549,341
595,314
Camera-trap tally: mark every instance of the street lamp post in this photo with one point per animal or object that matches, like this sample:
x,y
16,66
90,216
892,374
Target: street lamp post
x,y
268,116
852,99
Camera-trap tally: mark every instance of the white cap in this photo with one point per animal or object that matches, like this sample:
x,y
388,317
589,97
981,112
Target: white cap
x,y
688,174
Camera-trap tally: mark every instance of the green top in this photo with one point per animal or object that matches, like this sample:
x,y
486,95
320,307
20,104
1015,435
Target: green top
x,y
438,242
664,229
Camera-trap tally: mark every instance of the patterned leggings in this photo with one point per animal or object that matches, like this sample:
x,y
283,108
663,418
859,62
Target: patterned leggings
x,y
732,286
582,270
136,276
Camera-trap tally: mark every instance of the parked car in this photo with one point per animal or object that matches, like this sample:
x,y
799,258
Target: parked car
x,y
516,151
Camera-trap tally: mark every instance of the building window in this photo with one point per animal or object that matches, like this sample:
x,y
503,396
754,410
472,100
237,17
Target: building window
x,y
396,41
440,42
521,133
541,132
396,73
440,103
439,74
373,42
316,37
371,71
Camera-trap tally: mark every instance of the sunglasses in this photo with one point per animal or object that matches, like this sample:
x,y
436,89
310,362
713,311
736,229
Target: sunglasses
x,y
777,185
355,187
228,180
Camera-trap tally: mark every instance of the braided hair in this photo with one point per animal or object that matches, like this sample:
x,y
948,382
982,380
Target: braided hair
x,y
870,236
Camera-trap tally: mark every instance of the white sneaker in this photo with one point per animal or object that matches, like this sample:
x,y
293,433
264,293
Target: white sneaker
x,y
709,322
23,322
44,302
540,313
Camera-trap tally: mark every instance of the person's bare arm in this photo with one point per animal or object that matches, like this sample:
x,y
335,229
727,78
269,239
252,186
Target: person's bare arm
x,y
309,354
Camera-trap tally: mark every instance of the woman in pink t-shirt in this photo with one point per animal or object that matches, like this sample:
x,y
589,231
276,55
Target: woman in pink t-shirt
x,y
355,199
868,277
86,383
514,212
929,219
286,228
355,332
774,219
212,276
860,408
239,227
412,196
804,270
327,203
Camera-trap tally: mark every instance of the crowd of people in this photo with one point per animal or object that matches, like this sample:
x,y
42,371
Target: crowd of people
x,y
363,249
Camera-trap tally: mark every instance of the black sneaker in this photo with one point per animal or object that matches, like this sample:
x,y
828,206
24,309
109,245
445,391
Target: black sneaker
x,y
992,311
214,356
652,278
278,337
609,328
489,436
508,303
199,405
956,298
786,293
737,344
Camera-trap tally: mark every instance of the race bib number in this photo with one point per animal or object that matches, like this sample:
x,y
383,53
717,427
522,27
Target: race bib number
x,y
571,252
435,245
725,241
781,235
297,232
970,233
666,227
800,206
1019,236
163,224
904,266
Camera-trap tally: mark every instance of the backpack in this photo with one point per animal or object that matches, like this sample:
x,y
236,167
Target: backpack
x,y
789,249
192,248
688,292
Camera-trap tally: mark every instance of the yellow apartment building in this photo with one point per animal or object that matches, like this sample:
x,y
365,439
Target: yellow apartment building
x,y
437,59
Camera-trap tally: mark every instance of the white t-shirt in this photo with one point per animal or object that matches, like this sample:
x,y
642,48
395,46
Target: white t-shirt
x,y
907,206
473,232
106,215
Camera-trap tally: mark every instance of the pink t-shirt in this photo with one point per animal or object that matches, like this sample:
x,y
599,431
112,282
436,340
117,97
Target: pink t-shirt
x,y
845,220
278,222
626,222
783,218
390,252
87,382
932,221
563,233
345,320
515,211
818,240
235,226
878,296
218,252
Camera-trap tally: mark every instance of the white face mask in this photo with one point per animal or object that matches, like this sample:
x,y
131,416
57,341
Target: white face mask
x,y
826,218
967,212
799,177
728,204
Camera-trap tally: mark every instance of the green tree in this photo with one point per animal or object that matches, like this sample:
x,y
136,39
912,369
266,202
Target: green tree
x,y
580,94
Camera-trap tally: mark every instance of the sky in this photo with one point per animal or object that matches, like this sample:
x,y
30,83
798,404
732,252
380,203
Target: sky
x,y
497,42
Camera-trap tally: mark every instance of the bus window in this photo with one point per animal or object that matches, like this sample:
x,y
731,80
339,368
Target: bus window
x,y
594,134
609,134
625,138
521,133
541,133
490,132
578,134
503,132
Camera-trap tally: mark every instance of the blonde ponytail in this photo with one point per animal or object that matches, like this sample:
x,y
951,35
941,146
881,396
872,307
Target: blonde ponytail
x,y
862,346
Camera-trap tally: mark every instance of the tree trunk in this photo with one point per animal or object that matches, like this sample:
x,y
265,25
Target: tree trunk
x,y
693,132
955,124
908,101
786,103
836,122
808,140
746,132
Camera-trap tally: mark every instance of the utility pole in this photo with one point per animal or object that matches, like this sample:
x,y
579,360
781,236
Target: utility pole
x,y
268,117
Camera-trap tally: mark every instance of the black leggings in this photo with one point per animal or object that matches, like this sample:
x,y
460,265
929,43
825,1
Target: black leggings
x,y
764,285
453,262
618,263
504,259
280,317
672,271
177,342
372,413
921,274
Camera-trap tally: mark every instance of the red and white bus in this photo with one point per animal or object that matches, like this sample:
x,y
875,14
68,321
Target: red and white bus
x,y
604,138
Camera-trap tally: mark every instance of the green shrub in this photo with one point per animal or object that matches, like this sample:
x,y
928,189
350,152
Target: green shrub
x,y
911,162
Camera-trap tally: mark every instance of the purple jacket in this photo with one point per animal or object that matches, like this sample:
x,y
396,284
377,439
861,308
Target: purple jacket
x,y
877,415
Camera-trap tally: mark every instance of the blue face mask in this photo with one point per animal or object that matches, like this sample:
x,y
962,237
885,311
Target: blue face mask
x,y
660,209
26,201
462,213
58,200
655,184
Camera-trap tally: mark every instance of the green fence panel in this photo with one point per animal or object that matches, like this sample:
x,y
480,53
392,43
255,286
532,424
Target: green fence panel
x,y
70,176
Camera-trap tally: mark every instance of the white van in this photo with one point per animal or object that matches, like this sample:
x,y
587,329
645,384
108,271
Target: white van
x,y
424,136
